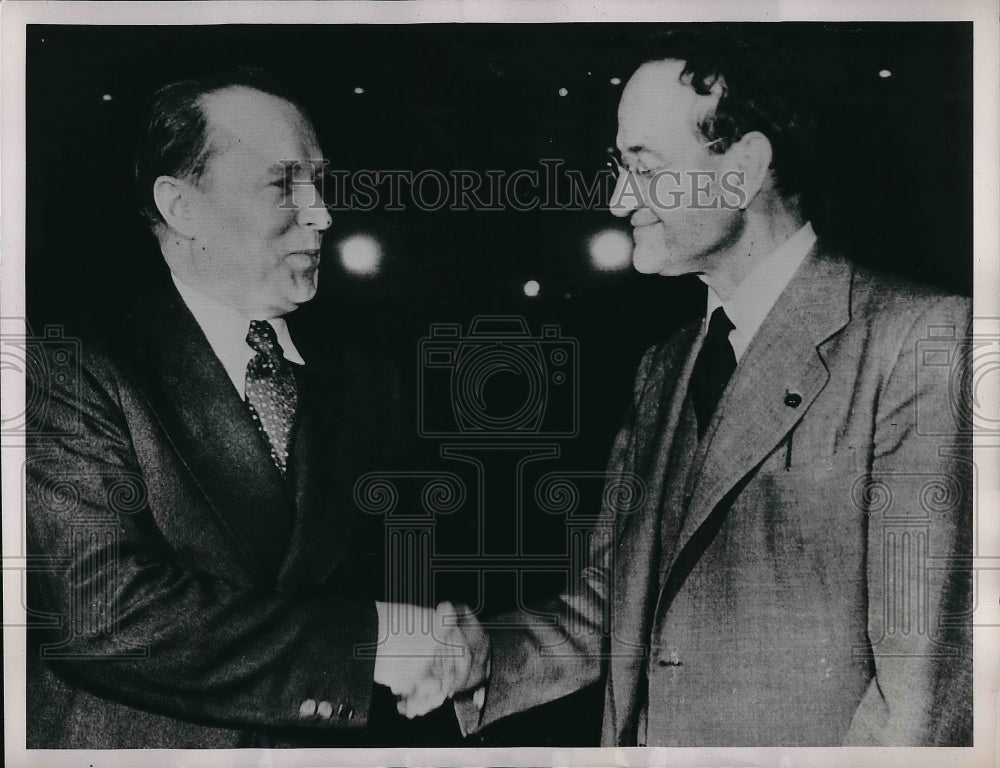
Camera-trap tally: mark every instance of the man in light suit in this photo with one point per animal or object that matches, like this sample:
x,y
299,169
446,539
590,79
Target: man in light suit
x,y
794,575
189,486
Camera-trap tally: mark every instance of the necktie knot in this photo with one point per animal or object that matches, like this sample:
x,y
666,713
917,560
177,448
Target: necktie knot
x,y
719,325
713,368
262,339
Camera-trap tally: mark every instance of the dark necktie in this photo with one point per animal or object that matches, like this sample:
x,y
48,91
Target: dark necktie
x,y
271,393
712,370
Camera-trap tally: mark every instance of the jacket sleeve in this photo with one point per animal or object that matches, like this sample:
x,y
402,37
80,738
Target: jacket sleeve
x,y
137,623
556,648
919,501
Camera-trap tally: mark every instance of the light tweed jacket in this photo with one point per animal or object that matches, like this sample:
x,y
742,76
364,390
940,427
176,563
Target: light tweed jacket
x,y
802,583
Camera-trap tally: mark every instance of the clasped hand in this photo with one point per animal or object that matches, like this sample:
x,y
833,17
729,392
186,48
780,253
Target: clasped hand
x,y
425,656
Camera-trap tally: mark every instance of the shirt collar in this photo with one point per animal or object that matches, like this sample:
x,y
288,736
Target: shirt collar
x,y
226,331
756,296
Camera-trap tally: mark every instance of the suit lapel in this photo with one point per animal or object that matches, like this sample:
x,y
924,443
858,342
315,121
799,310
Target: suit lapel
x,y
211,430
760,407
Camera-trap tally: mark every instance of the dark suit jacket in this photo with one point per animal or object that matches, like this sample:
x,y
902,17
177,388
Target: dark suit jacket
x,y
182,593
802,581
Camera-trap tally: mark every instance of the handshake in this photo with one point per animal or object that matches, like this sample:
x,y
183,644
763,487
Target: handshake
x,y
426,656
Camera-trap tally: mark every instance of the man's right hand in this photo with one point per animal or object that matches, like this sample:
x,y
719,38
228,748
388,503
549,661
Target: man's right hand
x,y
426,656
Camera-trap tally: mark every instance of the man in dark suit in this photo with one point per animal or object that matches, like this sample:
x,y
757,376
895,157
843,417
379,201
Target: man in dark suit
x,y
794,575
189,491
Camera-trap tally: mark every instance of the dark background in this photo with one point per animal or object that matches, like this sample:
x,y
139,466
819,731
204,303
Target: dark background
x,y
895,178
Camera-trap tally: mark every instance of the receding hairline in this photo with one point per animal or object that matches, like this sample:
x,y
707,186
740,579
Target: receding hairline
x,y
660,71
684,75
219,138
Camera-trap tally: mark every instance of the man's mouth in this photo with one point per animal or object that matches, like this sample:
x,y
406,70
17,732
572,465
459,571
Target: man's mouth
x,y
312,256
642,219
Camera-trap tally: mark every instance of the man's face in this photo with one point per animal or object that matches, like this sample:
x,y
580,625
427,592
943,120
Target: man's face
x,y
681,218
256,235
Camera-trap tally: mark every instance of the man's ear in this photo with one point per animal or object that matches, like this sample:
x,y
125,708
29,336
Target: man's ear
x,y
173,198
754,161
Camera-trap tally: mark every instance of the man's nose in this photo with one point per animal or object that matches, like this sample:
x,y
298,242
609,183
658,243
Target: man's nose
x,y
627,196
312,211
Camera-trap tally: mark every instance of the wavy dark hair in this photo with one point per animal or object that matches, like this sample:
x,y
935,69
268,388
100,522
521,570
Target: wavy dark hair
x,y
175,140
769,84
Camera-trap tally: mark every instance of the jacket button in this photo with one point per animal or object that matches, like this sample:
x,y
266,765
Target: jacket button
x,y
325,710
307,708
793,399
669,659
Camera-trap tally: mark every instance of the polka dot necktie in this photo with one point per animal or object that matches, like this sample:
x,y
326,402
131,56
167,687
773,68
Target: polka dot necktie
x,y
271,393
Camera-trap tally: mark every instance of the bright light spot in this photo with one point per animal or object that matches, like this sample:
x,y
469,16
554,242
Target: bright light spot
x,y
616,81
106,97
360,254
531,288
563,92
884,73
359,90
610,250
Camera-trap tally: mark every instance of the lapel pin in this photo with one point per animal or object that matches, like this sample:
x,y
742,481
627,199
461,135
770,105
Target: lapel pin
x,y
793,399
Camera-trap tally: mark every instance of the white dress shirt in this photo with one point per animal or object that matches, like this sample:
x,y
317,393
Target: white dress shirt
x,y
756,296
226,331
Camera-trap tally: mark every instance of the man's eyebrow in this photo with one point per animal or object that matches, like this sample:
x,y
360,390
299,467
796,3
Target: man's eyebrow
x,y
290,167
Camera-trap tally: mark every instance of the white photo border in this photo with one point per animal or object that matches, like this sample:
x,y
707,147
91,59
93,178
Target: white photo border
x,y
16,14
